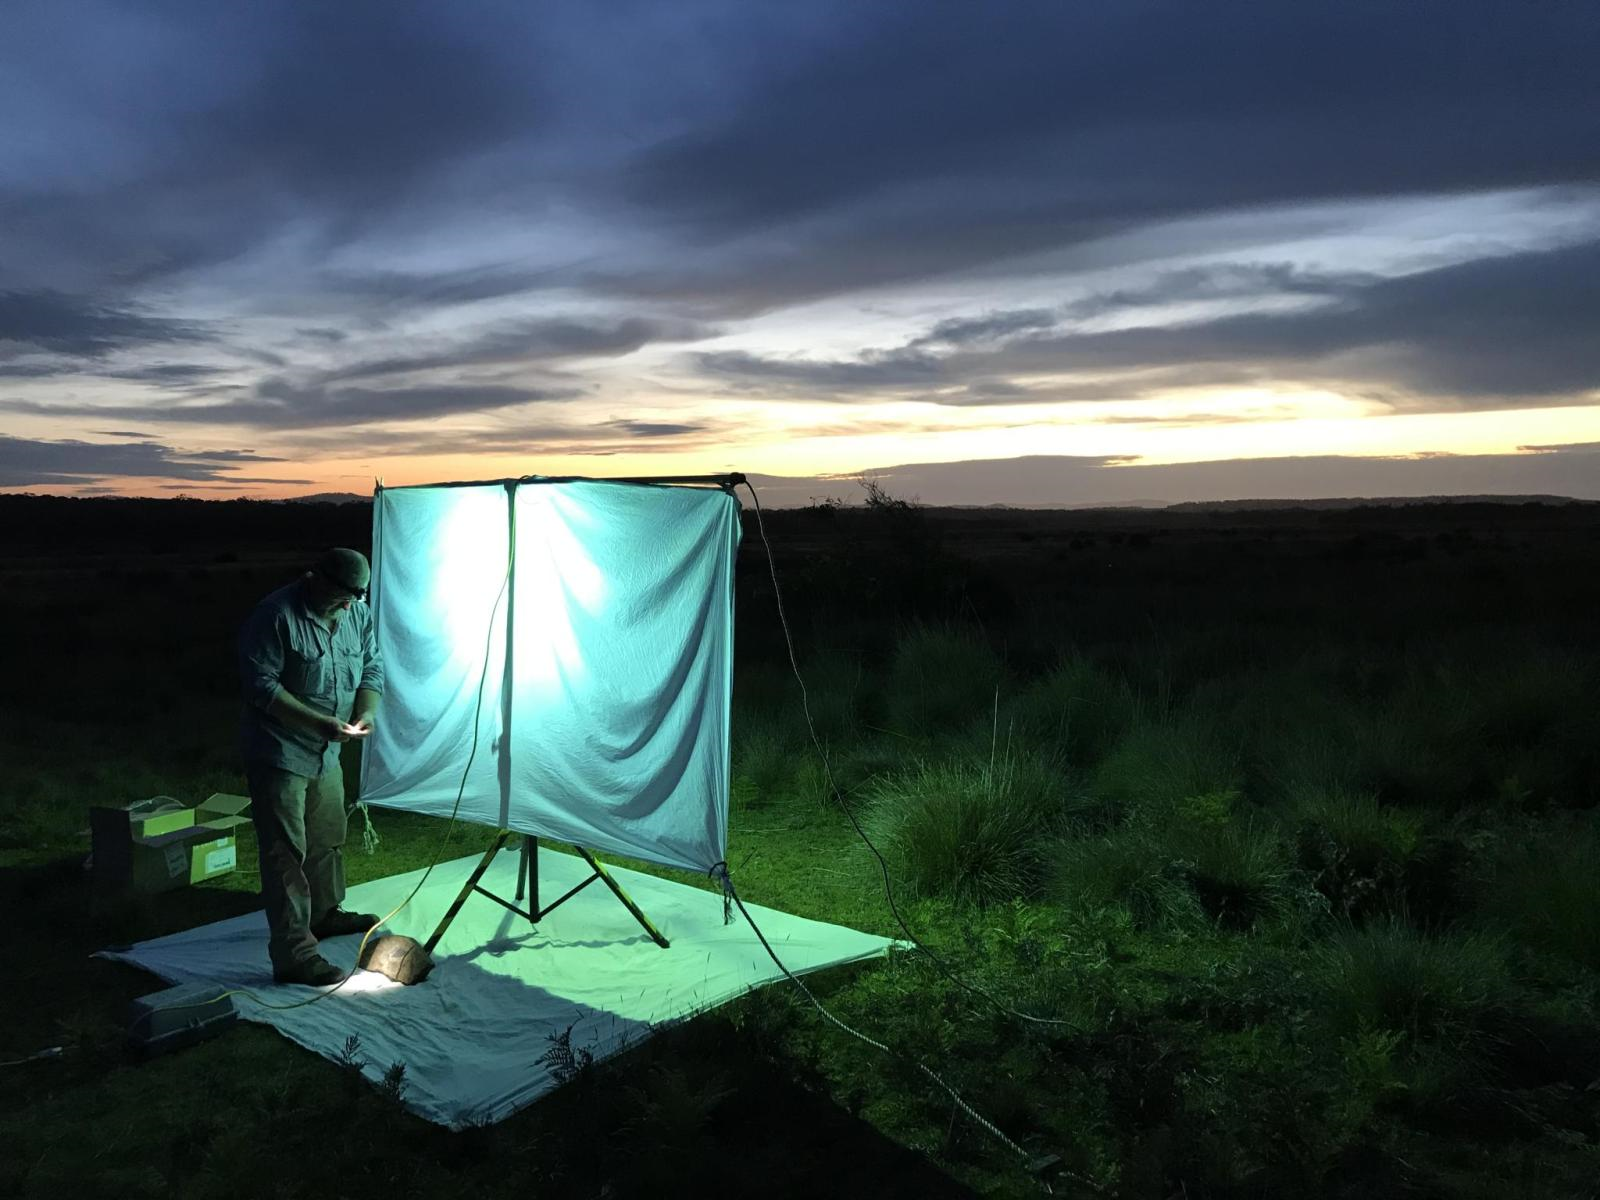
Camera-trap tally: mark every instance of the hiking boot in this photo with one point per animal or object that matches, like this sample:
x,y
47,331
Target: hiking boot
x,y
315,971
337,923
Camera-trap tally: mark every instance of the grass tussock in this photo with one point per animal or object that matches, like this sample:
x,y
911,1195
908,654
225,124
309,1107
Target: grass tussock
x,y
1355,850
1128,870
1545,893
1428,987
1160,764
1080,710
941,678
970,830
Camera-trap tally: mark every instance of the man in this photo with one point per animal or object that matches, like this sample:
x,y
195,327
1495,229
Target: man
x,y
312,679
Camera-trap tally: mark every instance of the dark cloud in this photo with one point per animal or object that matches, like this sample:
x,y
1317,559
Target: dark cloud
x,y
439,289
236,123
326,180
924,138
541,340
76,326
283,406
1485,333
30,463
654,429
836,379
179,375
1144,108
990,327
125,433
1226,281
1591,449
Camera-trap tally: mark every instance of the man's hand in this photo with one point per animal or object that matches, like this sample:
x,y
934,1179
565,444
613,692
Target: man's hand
x,y
363,723
335,730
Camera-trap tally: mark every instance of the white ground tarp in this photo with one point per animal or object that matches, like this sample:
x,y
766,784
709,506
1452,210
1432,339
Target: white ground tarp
x,y
472,1036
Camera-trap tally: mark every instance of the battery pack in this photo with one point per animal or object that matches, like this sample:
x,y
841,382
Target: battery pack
x,y
179,1016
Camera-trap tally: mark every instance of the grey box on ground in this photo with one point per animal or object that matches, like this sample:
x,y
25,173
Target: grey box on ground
x,y
159,844
179,1016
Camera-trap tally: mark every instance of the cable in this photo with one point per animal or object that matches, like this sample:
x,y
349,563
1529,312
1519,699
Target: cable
x,y
44,1055
1029,1160
833,788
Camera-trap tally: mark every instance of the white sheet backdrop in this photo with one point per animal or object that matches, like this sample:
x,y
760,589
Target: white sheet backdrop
x,y
620,602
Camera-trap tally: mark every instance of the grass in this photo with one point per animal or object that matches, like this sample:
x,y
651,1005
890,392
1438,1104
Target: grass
x,y
941,678
1545,893
1277,876
969,830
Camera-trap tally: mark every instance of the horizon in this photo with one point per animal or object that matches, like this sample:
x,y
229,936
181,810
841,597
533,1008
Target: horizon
x,y
1036,257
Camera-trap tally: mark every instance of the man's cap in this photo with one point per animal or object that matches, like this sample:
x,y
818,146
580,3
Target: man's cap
x,y
348,568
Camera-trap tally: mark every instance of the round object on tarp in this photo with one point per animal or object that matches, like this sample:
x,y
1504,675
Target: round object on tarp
x,y
402,959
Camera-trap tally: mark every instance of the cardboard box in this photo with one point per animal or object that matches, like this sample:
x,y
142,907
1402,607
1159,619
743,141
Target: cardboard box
x,y
222,811
157,844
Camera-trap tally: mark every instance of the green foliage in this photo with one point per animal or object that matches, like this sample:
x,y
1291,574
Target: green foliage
x,y
1079,709
564,1063
1546,893
1196,869
970,830
1129,868
837,695
1238,871
941,678
773,762
1355,850
392,1087
1429,987
1160,764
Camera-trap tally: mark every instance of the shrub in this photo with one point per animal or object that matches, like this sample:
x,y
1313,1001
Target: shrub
x,y
969,829
941,679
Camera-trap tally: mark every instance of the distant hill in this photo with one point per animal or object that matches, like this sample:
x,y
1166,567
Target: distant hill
x,y
1363,502
328,498
1326,504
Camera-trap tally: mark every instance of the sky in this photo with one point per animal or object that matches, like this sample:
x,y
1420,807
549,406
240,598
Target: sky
x,y
1043,253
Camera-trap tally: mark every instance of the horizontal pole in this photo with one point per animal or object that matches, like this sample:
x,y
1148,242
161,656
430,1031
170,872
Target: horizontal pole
x,y
483,891
554,904
729,480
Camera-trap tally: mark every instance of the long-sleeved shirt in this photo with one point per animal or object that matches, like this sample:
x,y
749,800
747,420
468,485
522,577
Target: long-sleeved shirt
x,y
281,644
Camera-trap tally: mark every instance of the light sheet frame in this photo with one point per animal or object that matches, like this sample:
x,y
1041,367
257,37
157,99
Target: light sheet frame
x,y
561,653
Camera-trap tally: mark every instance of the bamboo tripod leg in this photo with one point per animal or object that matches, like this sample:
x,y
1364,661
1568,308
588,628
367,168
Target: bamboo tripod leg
x,y
466,890
627,901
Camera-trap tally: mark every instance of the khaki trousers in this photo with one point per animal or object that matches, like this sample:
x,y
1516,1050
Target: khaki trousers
x,y
300,828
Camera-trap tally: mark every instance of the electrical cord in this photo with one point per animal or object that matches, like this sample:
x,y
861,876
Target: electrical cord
x,y
833,788
1033,1164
